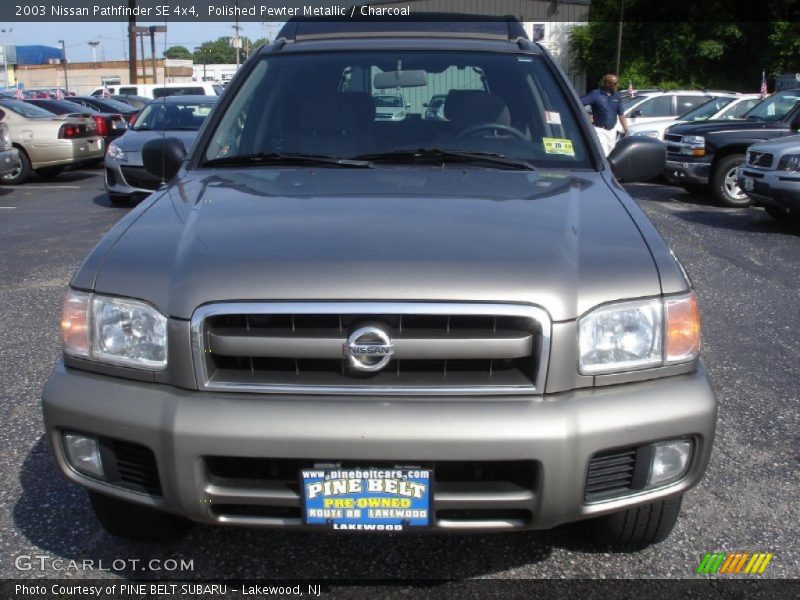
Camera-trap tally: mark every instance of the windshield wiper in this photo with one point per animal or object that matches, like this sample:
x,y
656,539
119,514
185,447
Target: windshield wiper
x,y
285,159
439,155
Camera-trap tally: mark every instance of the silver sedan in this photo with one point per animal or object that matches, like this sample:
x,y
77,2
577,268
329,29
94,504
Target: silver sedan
x,y
174,116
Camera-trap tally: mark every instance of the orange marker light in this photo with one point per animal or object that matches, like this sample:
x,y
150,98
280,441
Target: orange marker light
x,y
683,328
75,324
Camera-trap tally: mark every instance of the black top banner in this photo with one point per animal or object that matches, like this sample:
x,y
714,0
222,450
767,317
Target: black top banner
x,y
282,10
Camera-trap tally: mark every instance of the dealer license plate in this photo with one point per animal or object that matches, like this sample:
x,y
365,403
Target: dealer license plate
x,y
367,499
748,183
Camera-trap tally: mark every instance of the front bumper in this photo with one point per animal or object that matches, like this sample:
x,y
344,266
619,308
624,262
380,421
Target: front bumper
x,y
680,172
129,178
780,189
558,434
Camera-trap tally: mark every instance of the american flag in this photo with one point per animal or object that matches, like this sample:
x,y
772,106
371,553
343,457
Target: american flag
x,y
59,94
630,87
106,93
764,90
18,93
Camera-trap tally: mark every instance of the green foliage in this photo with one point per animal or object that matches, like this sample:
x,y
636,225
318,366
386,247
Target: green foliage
x,y
221,52
665,46
178,52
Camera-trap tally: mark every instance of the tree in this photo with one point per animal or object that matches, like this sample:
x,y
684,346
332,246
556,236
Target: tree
x,y
178,52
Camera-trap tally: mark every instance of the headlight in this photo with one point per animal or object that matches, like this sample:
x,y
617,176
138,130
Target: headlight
x,y
115,152
695,145
652,134
789,162
114,330
637,335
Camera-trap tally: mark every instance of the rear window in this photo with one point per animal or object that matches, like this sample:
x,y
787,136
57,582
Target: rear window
x,y
26,110
178,91
173,116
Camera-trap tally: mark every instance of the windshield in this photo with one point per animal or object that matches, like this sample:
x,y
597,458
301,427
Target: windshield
x,y
174,116
775,107
706,111
507,105
26,110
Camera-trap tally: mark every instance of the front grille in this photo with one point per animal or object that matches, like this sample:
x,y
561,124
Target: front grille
x,y
610,474
139,178
759,159
130,465
438,348
499,494
672,137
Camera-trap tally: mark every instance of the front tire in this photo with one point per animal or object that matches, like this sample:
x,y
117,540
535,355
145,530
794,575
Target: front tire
x,y
635,528
136,523
21,174
723,182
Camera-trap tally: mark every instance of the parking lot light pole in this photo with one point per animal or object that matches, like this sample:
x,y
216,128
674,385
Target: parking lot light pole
x,y
64,62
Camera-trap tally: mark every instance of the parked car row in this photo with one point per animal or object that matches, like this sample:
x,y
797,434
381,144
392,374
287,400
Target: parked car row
x,y
707,155
45,136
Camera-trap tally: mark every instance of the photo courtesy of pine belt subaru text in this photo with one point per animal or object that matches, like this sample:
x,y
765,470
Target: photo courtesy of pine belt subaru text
x,y
328,319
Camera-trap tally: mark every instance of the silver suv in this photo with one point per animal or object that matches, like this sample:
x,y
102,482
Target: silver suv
x,y
331,321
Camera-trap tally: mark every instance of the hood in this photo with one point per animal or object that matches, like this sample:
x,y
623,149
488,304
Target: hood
x,y
564,243
717,125
132,140
778,145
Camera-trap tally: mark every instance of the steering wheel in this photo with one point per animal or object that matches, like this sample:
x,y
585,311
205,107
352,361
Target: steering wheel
x,y
494,127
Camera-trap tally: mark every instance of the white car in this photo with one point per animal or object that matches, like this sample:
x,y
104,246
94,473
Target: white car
x,y
721,107
654,107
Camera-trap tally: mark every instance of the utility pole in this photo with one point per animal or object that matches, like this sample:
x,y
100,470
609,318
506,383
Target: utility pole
x,y
154,29
64,62
619,35
141,31
237,42
132,75
5,56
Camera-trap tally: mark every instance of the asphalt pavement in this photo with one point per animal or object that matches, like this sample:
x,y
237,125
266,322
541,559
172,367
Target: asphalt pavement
x,y
744,265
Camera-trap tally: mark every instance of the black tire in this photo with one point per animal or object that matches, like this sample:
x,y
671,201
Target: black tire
x,y
635,528
20,175
784,216
48,172
723,182
137,523
695,188
119,199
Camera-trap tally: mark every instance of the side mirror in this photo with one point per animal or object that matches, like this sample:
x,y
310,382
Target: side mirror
x,y
637,158
795,126
636,113
163,157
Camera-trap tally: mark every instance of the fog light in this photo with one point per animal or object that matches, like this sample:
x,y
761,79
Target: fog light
x,y
83,453
670,462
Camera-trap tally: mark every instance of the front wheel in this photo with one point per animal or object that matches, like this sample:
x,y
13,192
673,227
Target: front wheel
x,y
635,528
723,182
20,174
134,522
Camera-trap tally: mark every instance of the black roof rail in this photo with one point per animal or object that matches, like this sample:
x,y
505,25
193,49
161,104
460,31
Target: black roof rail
x,y
416,25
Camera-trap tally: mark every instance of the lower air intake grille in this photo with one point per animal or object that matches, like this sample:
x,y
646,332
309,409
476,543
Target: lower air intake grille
x,y
131,466
610,474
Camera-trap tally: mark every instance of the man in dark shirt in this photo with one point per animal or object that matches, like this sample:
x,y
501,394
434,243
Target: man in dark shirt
x,y
606,107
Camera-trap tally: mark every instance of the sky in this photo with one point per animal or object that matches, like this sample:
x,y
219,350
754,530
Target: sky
x,y
113,36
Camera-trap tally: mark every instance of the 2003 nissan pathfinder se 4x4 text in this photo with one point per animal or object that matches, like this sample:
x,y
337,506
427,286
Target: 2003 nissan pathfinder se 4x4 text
x,y
328,320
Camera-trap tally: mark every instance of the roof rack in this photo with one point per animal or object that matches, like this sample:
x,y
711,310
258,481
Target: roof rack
x,y
446,25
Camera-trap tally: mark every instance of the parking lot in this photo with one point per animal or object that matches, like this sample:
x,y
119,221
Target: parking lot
x,y
744,265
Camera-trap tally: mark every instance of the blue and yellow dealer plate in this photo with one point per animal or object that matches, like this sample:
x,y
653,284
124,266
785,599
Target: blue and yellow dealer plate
x,y
367,499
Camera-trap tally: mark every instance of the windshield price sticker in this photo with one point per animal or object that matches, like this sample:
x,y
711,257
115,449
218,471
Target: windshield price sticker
x,y
369,499
558,146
